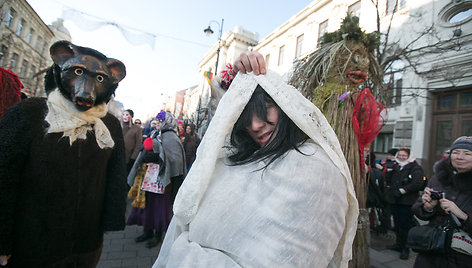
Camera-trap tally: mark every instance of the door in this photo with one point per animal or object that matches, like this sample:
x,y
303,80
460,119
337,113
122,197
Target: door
x,y
452,118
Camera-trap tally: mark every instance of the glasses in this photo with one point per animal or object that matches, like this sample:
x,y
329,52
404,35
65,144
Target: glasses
x,y
138,123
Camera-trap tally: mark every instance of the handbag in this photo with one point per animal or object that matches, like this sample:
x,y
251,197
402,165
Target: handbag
x,y
151,182
461,242
429,238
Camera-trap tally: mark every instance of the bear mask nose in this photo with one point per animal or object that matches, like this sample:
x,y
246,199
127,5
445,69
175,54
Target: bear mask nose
x,y
84,103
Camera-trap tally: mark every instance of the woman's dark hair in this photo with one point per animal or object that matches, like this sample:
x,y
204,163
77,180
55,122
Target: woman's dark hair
x,y
288,135
371,160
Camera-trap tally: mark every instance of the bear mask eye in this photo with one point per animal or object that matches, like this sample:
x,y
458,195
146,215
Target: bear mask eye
x,y
78,71
100,78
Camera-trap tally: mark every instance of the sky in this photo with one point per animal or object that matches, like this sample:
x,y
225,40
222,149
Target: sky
x,y
171,64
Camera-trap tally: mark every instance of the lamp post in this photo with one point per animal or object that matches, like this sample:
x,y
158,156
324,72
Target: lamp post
x,y
208,31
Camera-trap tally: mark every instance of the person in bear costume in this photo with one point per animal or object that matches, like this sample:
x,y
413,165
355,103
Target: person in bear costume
x,y
62,170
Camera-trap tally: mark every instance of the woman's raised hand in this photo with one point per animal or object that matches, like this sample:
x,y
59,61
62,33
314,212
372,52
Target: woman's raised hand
x,y
250,61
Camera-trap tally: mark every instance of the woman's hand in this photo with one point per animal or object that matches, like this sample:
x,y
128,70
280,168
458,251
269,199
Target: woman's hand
x,y
451,207
4,260
428,202
250,61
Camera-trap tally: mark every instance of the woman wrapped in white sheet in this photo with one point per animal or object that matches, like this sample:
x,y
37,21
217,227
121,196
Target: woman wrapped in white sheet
x,y
270,186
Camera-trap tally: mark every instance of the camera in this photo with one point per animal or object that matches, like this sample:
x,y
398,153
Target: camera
x,y
436,195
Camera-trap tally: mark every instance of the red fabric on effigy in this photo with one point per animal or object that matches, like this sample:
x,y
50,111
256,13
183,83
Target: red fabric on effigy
x,y
10,90
368,118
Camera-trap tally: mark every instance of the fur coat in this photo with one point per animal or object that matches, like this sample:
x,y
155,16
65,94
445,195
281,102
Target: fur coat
x,y
57,199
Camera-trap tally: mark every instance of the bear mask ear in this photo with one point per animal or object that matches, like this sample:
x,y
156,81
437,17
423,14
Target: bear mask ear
x,y
117,69
61,51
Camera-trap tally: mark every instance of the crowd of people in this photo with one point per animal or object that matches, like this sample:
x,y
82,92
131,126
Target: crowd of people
x,y
399,189
164,150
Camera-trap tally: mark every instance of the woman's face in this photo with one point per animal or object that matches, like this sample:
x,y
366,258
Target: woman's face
x,y
180,127
126,117
259,130
188,129
402,155
159,124
461,160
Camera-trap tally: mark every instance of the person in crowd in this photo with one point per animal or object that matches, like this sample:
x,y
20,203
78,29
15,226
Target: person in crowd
x,y
444,156
404,183
389,163
454,179
277,193
138,123
150,210
175,166
62,165
376,196
149,129
190,129
190,148
133,138
180,128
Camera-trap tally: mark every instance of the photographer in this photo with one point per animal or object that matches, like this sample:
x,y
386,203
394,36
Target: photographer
x,y
404,182
447,193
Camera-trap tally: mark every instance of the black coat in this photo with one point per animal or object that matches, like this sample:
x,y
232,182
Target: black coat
x,y
457,187
56,199
410,178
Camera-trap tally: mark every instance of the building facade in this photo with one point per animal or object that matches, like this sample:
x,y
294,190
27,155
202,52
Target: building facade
x,y
24,43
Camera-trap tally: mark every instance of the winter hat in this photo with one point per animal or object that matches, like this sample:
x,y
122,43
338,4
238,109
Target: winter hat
x,y
130,112
392,151
153,122
147,144
464,142
161,116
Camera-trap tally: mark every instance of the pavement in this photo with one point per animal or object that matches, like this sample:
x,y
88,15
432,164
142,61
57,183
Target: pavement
x,y
120,250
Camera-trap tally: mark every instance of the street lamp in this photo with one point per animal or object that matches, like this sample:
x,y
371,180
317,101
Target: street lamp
x,y
208,31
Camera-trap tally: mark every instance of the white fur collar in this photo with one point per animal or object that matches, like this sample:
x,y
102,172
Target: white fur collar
x,y
64,117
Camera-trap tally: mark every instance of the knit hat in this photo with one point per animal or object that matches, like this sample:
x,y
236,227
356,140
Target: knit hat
x,y
392,151
161,116
464,142
153,122
130,112
147,144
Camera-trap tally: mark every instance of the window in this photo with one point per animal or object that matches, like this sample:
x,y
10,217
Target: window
x,y
29,36
383,142
281,55
355,9
394,5
456,13
13,60
461,16
38,43
299,49
9,18
32,71
267,60
3,54
24,68
322,29
20,27
394,89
